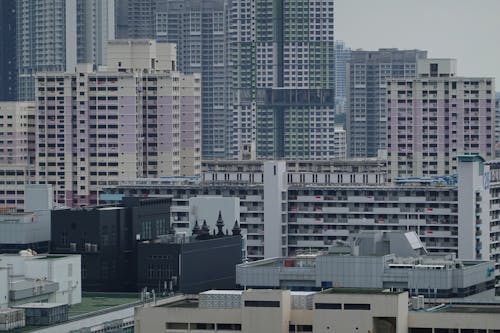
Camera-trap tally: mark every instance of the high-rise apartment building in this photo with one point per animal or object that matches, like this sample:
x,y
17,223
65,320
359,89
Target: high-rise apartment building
x,y
437,116
199,28
368,72
497,124
283,74
135,19
139,118
8,62
200,31
17,151
342,56
53,35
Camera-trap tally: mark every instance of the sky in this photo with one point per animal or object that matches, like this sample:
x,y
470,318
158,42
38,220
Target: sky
x,y
468,30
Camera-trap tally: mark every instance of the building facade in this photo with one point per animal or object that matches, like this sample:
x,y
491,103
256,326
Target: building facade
x,y
29,277
497,124
282,75
8,62
374,260
333,310
287,207
17,151
342,57
131,246
140,118
367,75
340,142
28,228
199,28
54,35
105,237
436,117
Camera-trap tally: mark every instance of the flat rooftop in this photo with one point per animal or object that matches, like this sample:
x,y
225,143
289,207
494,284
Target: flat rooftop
x,y
185,303
470,309
40,305
361,291
92,302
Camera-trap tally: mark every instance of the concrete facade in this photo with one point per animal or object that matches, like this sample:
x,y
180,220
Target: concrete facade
x,y
342,57
40,278
199,29
435,117
366,263
140,118
283,77
368,72
308,205
55,35
333,310
17,151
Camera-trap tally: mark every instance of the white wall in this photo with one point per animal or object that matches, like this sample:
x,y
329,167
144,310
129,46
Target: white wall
x,y
208,207
274,186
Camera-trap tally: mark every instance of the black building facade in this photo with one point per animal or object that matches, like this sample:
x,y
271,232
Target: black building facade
x,y
129,247
105,237
189,265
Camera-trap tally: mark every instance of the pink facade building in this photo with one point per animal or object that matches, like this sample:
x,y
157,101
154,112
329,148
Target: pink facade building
x,y
17,151
138,117
436,117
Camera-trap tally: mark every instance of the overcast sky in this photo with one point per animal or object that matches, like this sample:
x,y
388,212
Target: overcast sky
x,y
468,30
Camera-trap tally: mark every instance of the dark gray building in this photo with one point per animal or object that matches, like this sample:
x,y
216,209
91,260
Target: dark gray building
x,y
106,238
8,64
368,72
187,264
131,246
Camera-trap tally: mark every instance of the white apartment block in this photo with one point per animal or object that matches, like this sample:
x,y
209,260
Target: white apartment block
x,y
340,142
437,116
289,207
332,310
138,118
17,151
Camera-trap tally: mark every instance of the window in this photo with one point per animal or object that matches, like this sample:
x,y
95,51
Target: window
x,y
304,328
355,306
262,304
177,326
202,326
229,327
328,306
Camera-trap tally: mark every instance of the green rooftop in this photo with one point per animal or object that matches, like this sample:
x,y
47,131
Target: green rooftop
x,y
92,302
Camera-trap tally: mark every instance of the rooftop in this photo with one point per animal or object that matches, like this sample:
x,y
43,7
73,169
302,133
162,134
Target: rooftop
x,y
361,291
185,303
470,309
92,302
40,305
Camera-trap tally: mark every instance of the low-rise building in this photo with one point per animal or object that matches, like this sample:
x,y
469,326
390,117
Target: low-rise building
x,y
374,260
28,229
105,237
332,310
131,246
28,278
